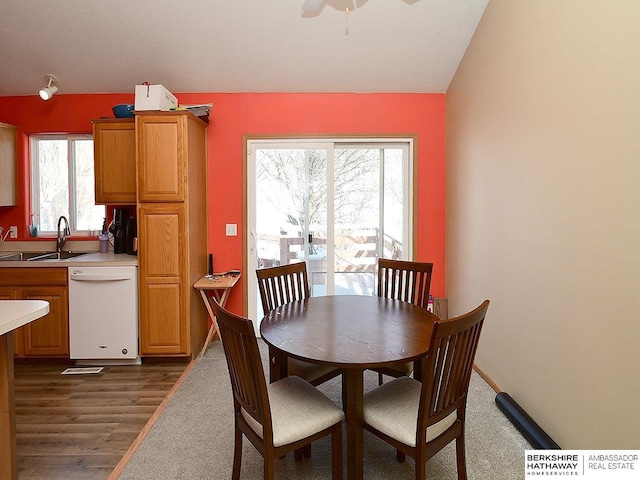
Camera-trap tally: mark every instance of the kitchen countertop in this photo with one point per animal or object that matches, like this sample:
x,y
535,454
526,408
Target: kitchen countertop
x,y
91,260
13,314
16,313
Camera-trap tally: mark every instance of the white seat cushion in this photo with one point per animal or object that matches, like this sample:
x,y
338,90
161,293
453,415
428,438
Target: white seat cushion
x,y
403,368
298,410
307,370
392,409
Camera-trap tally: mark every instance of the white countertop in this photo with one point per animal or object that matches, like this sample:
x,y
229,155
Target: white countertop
x,y
16,313
94,259
97,259
90,260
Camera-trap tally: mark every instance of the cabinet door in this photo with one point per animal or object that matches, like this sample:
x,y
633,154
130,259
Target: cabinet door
x,y
9,293
161,157
162,263
114,145
8,180
48,336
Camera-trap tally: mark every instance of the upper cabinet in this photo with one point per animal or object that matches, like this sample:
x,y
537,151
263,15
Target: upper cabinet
x,y
163,153
114,143
8,190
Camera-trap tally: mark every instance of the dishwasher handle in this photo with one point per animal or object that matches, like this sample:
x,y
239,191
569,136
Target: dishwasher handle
x,y
99,277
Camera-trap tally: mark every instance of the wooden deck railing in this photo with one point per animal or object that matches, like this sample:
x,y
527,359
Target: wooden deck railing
x,y
355,253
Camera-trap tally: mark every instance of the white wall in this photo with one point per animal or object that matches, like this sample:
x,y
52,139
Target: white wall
x,y
543,211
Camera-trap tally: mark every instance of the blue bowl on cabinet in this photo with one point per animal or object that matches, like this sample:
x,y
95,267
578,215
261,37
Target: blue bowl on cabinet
x,y
123,110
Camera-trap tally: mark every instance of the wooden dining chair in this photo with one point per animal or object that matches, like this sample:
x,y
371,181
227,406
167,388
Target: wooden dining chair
x,y
409,282
277,418
419,419
286,284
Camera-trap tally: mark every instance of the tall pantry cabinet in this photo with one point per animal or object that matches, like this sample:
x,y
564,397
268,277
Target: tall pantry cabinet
x,y
172,231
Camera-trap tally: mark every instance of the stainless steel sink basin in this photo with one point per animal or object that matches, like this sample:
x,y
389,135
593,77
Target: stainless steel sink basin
x,y
11,256
35,256
56,256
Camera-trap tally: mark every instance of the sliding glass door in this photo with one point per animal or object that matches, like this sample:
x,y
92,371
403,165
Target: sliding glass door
x,y
337,206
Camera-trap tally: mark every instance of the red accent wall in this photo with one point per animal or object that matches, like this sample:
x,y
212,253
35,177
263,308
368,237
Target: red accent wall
x,y
237,114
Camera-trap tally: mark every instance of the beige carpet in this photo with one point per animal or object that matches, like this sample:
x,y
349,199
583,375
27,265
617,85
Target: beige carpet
x,y
193,438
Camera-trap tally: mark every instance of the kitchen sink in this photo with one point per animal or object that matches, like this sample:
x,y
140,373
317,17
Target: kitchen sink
x,y
11,257
35,256
56,256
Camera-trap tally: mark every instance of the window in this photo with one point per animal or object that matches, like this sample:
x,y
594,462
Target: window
x,y
62,183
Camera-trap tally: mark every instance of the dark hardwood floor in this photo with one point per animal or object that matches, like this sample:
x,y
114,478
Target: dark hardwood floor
x,y
79,426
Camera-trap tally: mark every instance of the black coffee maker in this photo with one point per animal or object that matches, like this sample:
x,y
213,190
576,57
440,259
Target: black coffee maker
x,y
118,229
131,236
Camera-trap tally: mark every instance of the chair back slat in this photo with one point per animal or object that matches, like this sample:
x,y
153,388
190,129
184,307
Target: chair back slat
x,y
282,284
446,377
404,280
245,366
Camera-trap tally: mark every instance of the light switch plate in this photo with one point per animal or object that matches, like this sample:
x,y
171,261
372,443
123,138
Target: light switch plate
x,y
232,229
13,231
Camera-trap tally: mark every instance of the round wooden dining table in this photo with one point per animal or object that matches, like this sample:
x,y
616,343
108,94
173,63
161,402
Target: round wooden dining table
x,y
353,333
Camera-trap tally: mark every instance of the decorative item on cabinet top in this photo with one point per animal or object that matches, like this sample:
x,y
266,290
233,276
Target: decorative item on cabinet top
x,y
154,97
199,110
123,110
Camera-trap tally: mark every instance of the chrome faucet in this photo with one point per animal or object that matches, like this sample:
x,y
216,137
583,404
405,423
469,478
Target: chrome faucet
x,y
62,234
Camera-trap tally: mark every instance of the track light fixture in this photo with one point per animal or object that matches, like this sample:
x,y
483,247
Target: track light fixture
x,y
50,90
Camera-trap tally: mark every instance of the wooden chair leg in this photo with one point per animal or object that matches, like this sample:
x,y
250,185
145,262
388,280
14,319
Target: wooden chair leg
x,y
379,378
269,465
421,470
336,453
400,456
460,458
306,451
421,464
297,454
237,454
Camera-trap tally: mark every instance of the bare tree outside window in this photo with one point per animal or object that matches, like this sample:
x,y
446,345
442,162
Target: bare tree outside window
x,y
283,175
291,210
63,183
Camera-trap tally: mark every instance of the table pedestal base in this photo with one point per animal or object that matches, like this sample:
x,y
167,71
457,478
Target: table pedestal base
x,y
353,393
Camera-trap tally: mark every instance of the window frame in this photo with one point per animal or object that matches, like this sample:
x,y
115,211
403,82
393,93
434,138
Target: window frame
x,y
408,142
35,196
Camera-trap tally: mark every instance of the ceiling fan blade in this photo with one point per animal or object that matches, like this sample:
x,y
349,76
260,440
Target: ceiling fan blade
x,y
311,5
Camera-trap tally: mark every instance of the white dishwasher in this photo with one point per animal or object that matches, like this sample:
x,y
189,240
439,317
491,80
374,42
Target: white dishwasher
x,y
103,315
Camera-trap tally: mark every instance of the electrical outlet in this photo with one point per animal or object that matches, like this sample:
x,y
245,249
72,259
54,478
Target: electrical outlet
x,y
13,231
232,229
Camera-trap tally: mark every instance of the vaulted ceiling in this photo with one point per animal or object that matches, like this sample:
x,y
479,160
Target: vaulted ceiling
x,y
234,45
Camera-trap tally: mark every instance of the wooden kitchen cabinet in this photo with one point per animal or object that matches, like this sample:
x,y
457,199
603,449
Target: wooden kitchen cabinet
x,y
163,152
48,336
172,231
114,156
163,284
8,180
